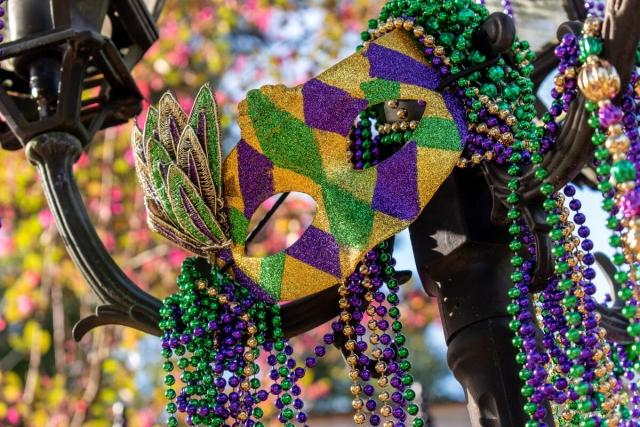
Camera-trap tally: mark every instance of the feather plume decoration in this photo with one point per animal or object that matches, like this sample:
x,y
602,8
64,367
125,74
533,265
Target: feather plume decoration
x,y
178,163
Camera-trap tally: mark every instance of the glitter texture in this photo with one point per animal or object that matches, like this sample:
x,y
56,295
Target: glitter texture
x,y
393,65
297,139
256,180
380,90
329,108
437,133
271,269
319,250
306,144
396,191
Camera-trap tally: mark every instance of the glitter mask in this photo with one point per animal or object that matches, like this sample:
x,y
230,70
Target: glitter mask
x,y
297,139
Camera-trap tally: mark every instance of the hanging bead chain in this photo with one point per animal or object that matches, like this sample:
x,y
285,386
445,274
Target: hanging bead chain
x,y
617,175
216,329
379,367
583,360
507,8
595,8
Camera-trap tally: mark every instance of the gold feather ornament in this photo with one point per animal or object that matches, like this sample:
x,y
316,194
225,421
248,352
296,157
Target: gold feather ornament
x,y
178,162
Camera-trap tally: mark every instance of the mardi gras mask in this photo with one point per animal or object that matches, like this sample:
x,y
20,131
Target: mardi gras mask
x,y
297,139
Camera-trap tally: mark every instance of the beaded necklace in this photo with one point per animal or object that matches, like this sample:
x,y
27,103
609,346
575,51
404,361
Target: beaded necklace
x,y
219,331
576,371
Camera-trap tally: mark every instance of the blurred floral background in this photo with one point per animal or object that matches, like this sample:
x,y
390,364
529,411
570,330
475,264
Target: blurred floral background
x,y
112,377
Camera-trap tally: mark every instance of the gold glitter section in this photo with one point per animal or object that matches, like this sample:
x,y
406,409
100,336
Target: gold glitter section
x,y
434,166
348,75
360,183
333,149
285,180
404,43
337,166
382,223
435,103
249,265
286,99
231,181
247,131
300,279
349,258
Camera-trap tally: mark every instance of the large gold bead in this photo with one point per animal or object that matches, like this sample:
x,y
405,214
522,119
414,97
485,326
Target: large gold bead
x,y
383,381
352,360
359,418
598,80
617,143
429,40
353,374
385,410
632,241
357,404
614,421
592,26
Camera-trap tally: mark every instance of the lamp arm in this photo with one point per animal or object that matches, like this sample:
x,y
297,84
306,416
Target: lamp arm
x,y
121,301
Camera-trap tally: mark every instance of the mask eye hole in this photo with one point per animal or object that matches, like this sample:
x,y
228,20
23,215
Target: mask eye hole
x,y
382,129
279,222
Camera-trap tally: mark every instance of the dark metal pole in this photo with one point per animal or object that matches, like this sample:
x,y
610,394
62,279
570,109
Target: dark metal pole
x,y
28,18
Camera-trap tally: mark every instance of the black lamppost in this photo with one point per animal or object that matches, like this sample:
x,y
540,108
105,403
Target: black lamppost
x,y
70,77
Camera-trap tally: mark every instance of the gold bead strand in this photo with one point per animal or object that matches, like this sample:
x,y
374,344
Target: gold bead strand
x,y
352,360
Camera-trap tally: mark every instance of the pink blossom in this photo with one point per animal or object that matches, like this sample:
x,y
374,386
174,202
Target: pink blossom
x,y
146,417
221,97
83,161
179,56
116,208
128,156
32,278
13,416
109,241
176,257
25,304
169,29
46,218
205,14
116,192
186,102
6,244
